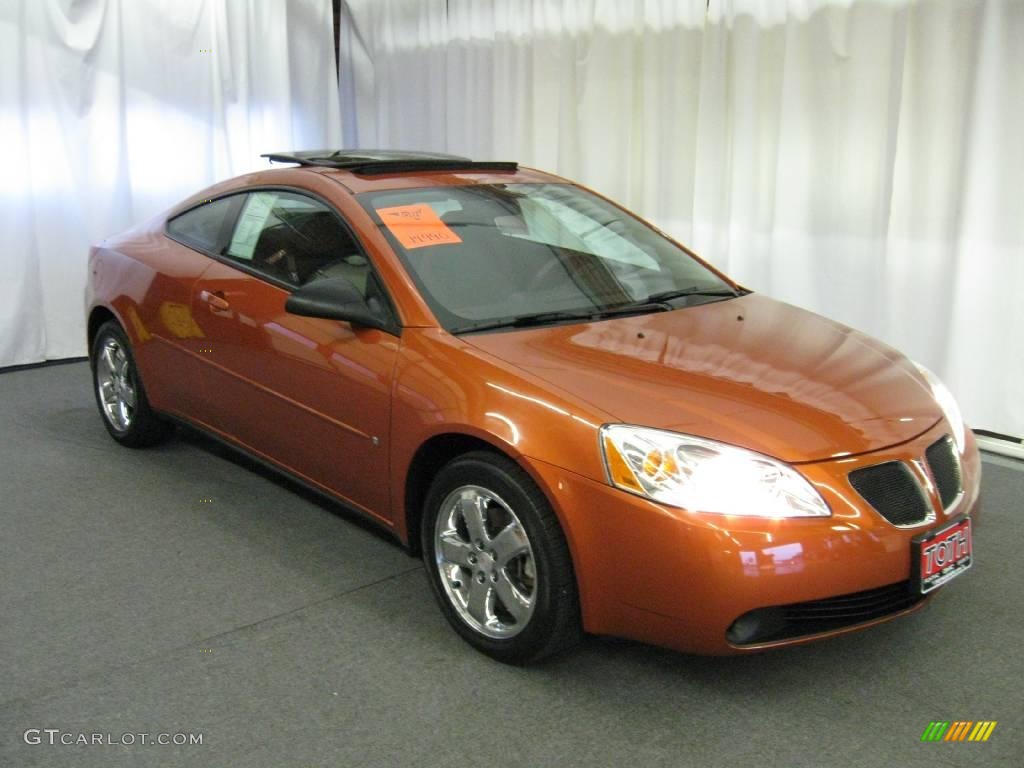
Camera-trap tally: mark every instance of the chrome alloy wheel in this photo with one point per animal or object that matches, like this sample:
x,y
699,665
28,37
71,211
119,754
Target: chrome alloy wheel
x,y
486,562
115,384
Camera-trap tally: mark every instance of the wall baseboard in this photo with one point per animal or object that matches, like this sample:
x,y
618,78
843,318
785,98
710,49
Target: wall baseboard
x,y
1004,446
43,364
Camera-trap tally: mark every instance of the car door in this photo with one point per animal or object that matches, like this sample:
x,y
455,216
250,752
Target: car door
x,y
309,394
163,314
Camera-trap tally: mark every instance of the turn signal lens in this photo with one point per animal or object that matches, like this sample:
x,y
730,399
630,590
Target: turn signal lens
x,y
618,471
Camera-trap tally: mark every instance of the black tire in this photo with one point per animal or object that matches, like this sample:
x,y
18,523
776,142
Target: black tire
x,y
544,573
137,426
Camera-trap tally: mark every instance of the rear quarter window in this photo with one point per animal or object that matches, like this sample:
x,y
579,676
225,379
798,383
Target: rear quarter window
x,y
207,227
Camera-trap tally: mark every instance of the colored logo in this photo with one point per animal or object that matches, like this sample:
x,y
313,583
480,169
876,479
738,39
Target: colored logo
x,y
958,730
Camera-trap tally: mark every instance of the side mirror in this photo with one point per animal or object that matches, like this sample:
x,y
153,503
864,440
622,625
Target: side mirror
x,y
333,298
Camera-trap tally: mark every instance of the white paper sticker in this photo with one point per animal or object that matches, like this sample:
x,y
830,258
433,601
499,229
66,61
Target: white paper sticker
x,y
251,224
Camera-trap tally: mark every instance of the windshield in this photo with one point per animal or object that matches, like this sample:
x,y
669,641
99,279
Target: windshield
x,y
482,254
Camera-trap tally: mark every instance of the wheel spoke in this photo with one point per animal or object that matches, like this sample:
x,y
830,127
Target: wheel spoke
x,y
515,602
124,416
107,393
107,356
510,543
472,512
455,550
477,602
128,394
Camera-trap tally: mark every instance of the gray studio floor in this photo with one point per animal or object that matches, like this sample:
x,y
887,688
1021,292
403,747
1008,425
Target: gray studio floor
x,y
291,636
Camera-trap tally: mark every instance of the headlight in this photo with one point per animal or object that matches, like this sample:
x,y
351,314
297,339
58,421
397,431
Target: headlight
x,y
947,403
704,475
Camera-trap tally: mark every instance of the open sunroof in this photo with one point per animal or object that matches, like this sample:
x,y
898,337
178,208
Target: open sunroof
x,y
371,162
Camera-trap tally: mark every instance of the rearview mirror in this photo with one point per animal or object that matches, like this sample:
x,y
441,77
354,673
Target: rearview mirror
x,y
333,298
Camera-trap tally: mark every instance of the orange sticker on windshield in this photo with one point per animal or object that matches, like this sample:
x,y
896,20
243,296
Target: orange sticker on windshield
x,y
416,226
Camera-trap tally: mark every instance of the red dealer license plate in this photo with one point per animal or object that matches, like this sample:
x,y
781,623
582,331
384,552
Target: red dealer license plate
x,y
942,555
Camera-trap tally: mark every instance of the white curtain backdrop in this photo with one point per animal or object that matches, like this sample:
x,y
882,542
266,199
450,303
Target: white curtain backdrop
x,y
862,159
112,110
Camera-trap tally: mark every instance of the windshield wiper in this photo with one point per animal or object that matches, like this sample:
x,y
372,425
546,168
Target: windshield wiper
x,y
679,293
561,316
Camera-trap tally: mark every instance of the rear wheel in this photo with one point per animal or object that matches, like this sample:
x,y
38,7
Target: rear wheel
x,y
498,561
119,392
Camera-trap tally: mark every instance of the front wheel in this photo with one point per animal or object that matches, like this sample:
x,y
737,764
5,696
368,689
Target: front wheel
x,y
119,392
498,561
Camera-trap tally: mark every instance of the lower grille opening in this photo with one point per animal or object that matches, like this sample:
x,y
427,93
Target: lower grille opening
x,y
785,622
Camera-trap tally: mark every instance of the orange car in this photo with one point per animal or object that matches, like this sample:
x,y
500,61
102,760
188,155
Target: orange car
x,y
578,423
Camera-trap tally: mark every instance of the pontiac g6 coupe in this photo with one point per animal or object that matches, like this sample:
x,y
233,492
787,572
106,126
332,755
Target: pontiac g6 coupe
x,y
580,425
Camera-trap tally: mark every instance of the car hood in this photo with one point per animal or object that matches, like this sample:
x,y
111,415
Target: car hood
x,y
751,371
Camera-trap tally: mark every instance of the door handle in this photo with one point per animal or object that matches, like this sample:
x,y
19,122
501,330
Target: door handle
x,y
215,300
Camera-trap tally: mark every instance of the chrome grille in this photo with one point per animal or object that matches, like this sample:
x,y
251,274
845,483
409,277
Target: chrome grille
x,y
892,489
945,468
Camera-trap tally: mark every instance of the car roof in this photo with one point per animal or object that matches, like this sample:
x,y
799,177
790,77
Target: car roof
x,y
365,170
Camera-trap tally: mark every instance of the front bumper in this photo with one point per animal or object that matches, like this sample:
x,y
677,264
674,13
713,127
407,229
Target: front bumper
x,y
679,579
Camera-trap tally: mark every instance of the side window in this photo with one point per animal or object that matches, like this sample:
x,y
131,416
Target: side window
x,y
295,239
206,227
